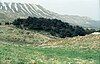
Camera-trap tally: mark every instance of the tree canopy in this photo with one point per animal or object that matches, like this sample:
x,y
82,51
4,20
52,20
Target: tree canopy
x,y
54,26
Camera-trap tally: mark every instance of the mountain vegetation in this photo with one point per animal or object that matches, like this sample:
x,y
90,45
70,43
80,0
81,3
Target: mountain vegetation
x,y
55,27
37,40
19,46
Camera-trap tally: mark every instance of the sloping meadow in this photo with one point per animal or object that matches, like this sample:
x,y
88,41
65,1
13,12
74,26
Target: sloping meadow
x,y
19,46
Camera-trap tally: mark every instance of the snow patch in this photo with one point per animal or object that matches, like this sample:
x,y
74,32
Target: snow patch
x,y
16,7
96,33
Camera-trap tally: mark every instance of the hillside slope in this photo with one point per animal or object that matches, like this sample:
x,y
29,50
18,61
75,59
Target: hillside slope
x,y
16,10
32,47
15,35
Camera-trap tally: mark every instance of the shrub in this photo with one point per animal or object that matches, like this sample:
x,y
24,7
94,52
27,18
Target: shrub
x,y
54,26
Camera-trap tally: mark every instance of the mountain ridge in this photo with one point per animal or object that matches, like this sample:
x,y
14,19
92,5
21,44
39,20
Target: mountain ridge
x,y
20,10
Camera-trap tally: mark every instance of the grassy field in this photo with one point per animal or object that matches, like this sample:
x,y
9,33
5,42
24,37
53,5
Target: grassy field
x,y
17,47
15,35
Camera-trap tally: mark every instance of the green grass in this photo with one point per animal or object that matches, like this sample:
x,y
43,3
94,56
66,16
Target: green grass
x,y
18,47
25,54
